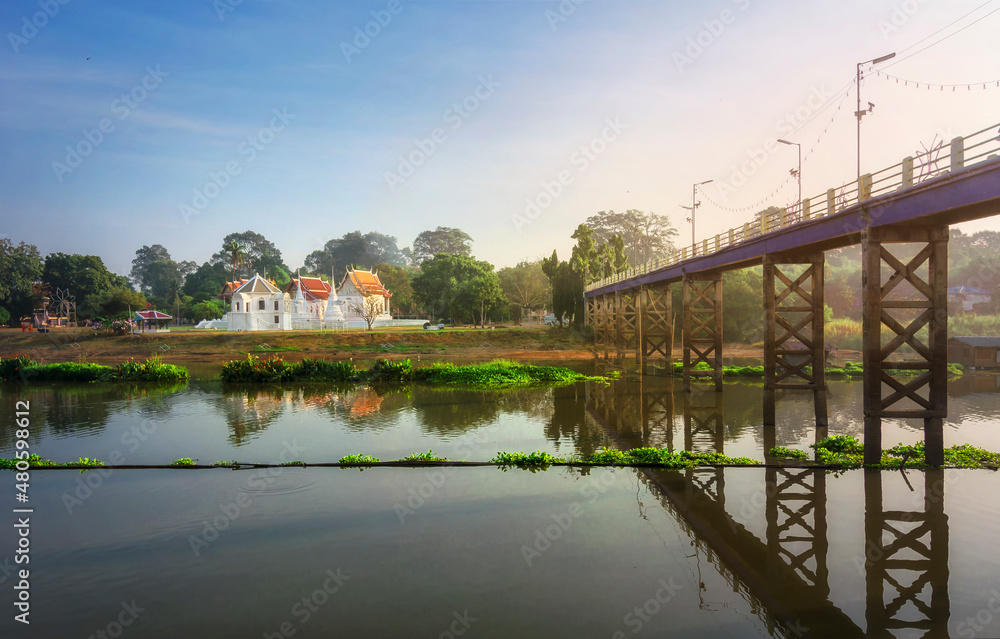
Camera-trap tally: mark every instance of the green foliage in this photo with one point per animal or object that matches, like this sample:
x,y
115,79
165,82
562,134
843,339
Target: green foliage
x,y
534,462
970,324
85,276
498,374
209,309
227,464
359,459
4,316
21,367
83,462
385,370
781,452
152,370
428,456
183,461
275,369
743,305
443,239
33,460
665,458
457,286
20,267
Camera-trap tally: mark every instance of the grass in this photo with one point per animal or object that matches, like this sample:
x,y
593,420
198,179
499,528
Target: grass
x,y
496,374
23,368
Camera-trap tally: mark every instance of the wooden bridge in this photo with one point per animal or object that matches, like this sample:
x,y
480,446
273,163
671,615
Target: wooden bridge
x,y
905,301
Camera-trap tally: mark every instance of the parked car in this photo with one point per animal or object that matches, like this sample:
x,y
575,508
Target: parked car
x,y
550,320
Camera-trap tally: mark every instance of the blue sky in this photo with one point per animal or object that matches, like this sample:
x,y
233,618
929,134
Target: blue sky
x,y
280,118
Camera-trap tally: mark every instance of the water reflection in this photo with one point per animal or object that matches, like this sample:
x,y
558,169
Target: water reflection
x,y
69,410
783,568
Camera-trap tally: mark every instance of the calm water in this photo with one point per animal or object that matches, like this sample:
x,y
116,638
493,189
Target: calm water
x,y
478,552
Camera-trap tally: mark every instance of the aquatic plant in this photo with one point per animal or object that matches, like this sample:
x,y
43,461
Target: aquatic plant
x,y
535,461
22,367
183,461
781,452
428,456
359,459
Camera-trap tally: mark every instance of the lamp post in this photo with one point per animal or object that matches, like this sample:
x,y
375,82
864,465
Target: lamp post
x,y
694,206
796,172
859,113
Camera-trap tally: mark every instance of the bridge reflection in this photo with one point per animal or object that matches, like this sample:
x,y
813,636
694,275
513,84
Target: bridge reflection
x,y
784,572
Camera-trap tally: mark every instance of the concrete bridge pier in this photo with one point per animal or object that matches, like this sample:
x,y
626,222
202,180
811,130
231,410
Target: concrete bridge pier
x,y
794,335
914,318
703,327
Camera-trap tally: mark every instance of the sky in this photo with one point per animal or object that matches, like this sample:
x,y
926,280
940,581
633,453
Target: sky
x,y
147,122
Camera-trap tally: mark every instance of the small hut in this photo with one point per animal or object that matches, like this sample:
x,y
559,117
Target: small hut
x,y
980,352
152,321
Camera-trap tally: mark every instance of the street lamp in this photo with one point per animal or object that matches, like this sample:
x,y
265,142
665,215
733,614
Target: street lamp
x,y
796,172
694,206
859,113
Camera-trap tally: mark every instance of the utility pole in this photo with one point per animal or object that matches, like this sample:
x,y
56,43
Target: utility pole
x,y
859,113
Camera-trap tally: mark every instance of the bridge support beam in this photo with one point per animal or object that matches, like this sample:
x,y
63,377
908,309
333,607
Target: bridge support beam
x,y
656,337
915,317
603,324
794,313
628,324
703,327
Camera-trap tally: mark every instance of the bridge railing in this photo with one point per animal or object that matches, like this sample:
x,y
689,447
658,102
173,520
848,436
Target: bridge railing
x,y
938,161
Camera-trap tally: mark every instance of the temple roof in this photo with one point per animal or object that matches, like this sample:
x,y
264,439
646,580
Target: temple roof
x,y
257,284
366,281
313,288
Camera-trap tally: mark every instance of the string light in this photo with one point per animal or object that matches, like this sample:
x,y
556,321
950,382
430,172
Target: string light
x,y
992,84
756,205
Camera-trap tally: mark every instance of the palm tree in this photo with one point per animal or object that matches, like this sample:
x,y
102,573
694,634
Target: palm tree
x,y
237,255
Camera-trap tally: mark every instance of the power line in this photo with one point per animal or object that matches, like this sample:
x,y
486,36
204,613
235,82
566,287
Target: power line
x,y
934,44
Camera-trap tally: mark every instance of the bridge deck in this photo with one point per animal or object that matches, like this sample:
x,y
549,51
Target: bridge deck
x,y
961,196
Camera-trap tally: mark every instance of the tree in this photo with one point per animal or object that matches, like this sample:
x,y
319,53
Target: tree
x,y
589,262
369,309
354,249
20,267
644,235
142,264
209,309
83,275
237,255
259,254
443,239
116,301
448,285
396,279
206,282
481,294
526,286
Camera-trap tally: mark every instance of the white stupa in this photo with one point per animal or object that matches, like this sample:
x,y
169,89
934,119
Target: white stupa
x,y
334,315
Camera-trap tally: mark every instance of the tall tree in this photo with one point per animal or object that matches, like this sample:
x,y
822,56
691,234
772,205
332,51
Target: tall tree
x,y
644,235
236,252
206,282
83,275
20,267
457,286
526,286
260,255
443,239
589,262
396,279
142,264
354,249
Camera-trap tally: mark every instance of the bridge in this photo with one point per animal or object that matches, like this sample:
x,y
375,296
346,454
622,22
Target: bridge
x,y
904,299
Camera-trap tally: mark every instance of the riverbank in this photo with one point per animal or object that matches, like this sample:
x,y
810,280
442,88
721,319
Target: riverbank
x,y
216,347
